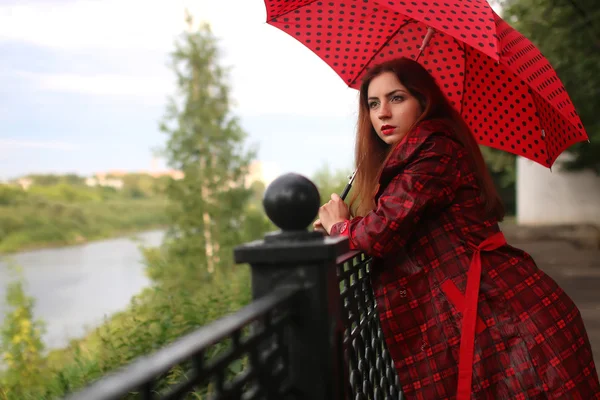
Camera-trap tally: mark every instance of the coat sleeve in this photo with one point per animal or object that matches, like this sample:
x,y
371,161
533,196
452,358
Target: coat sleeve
x,y
427,182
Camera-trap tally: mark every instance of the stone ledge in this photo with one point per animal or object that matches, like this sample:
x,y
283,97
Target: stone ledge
x,y
581,236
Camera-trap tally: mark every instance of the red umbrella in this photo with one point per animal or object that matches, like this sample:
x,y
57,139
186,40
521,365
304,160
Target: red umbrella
x,y
505,89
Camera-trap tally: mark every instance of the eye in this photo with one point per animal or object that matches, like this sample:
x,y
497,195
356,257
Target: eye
x,y
373,104
397,98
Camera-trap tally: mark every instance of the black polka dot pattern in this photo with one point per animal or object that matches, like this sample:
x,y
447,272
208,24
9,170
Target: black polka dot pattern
x,y
470,21
505,89
560,126
499,108
558,133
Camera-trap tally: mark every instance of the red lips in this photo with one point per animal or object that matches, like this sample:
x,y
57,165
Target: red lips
x,y
387,129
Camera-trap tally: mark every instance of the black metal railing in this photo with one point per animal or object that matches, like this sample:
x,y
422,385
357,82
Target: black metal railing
x,y
251,360
371,370
311,332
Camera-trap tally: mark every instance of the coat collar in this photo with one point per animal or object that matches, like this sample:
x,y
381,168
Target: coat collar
x,y
410,144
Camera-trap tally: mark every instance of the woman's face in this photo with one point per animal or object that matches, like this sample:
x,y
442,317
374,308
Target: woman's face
x,y
393,110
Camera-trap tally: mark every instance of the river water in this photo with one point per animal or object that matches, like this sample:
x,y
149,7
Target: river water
x,y
76,287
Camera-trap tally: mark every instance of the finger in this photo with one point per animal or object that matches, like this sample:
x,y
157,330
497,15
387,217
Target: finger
x,y
322,212
322,230
335,197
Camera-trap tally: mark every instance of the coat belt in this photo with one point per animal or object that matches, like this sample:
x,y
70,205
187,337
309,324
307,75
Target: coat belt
x,y
469,320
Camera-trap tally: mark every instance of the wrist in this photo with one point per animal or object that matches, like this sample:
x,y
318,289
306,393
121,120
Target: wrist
x,y
339,228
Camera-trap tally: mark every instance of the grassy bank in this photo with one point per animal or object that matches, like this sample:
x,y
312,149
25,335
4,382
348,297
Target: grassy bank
x,y
64,214
49,224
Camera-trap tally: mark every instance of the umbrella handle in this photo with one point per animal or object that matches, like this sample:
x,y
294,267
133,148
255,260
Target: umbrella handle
x,y
348,185
346,191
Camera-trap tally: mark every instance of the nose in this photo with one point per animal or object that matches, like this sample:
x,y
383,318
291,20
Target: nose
x,y
384,111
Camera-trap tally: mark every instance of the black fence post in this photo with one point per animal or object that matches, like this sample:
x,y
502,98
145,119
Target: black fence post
x,y
298,257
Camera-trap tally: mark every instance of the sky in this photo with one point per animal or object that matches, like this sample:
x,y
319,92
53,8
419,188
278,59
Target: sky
x,y
84,84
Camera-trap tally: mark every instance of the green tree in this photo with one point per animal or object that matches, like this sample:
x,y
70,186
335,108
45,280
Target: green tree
x,y
55,179
21,346
503,168
567,32
328,181
256,223
11,194
206,143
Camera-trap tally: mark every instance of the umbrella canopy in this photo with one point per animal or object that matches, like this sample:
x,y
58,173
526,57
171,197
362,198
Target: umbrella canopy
x,y
504,88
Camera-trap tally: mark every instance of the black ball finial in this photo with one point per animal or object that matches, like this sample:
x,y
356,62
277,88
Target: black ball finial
x,y
292,202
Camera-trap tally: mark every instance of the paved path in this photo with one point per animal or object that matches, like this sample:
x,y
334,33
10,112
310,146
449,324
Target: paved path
x,y
577,271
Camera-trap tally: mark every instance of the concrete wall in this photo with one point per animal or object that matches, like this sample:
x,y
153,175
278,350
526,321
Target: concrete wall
x,y
557,197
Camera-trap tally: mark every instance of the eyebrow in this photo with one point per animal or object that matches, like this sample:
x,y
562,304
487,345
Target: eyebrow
x,y
388,94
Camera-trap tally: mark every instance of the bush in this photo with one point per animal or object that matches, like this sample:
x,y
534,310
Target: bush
x,y
10,195
21,346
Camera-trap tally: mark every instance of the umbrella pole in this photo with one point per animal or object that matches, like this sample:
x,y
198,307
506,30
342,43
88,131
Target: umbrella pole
x,y
426,39
348,185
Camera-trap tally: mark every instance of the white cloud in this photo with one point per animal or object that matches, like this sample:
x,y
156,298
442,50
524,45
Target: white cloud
x,y
14,144
271,71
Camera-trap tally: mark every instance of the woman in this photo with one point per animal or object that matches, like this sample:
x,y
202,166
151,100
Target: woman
x,y
464,314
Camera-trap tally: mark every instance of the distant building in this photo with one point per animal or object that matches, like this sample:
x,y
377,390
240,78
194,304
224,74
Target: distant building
x,y
25,183
102,179
258,171
113,178
153,173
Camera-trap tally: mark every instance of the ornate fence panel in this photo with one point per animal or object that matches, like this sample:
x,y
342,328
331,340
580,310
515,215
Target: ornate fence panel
x,y
371,370
312,331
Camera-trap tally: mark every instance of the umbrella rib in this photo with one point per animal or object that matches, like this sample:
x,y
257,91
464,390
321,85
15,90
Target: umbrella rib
x,y
379,49
293,9
535,98
462,98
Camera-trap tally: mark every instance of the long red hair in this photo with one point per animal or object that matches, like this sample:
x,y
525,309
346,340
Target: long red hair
x,y
371,152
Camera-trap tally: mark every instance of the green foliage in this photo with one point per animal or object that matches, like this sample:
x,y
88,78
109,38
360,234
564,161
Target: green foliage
x,y
567,32
207,143
501,164
503,168
21,347
138,186
61,214
255,222
60,210
329,182
40,221
52,179
11,195
66,193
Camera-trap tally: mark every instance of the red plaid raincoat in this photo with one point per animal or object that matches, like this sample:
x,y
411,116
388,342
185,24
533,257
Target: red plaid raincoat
x,y
465,315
